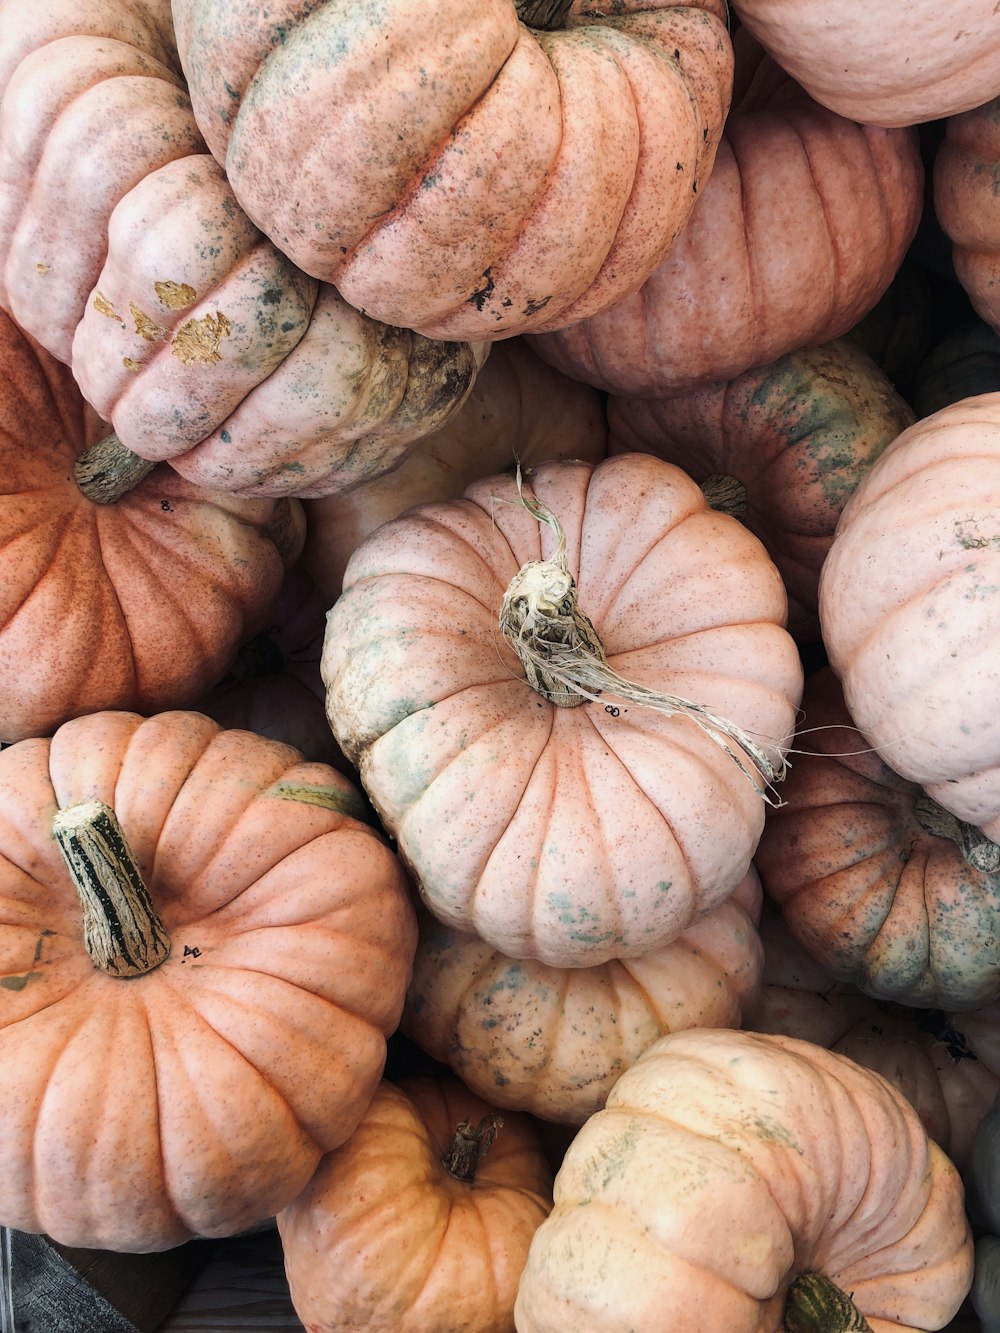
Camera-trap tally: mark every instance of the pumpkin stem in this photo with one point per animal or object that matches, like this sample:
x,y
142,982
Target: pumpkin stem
x,y
547,14
814,1304
108,470
121,930
978,850
469,1143
564,661
726,494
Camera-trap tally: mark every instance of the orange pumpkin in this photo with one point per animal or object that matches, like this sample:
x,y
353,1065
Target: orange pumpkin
x,y
967,205
731,1178
196,994
554,825
140,604
421,1220
512,165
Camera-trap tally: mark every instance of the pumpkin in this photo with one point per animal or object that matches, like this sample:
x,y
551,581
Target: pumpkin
x,y
947,1066
797,234
871,876
939,61
203,954
732,1172
796,436
519,410
553,1041
421,1220
509,166
985,1294
561,819
964,364
906,602
141,604
966,204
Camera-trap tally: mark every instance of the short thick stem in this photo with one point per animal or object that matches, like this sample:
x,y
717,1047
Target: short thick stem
x,y
814,1304
547,14
726,494
121,929
469,1143
976,848
108,470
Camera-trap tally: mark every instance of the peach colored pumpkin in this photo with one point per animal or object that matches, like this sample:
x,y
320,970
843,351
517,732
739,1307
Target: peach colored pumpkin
x,y
407,1228
880,64
571,834
140,604
727,1164
797,434
858,861
947,1066
553,1041
797,234
518,410
967,204
141,1105
908,608
491,177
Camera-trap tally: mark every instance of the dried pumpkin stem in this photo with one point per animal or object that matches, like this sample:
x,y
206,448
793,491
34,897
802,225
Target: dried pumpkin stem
x,y
546,14
121,929
814,1304
726,494
470,1143
564,660
109,469
978,851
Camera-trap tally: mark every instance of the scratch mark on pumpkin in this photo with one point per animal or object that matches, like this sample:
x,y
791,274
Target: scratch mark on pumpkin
x,y
129,364
200,339
339,800
145,326
104,307
174,295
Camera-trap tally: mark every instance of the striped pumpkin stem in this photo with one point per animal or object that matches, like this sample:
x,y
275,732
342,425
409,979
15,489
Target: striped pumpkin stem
x,y
814,1304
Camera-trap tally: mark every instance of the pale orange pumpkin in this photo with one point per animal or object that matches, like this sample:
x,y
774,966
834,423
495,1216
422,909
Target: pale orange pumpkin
x,y
553,827
797,234
967,205
139,604
731,1173
553,1041
421,1220
512,165
195,1003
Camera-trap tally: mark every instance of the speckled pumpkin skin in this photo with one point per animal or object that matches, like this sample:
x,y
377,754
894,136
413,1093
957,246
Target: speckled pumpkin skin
x,y
967,204
908,603
490,178
724,1164
141,604
571,835
198,1098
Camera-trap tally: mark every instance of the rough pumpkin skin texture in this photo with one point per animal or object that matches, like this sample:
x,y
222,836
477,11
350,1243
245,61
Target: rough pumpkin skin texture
x,y
724,1164
553,1041
868,891
470,177
571,835
797,234
198,1098
384,1239
908,603
967,203
141,604
798,433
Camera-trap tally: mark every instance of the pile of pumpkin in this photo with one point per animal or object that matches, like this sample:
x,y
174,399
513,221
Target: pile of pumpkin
x,y
272,276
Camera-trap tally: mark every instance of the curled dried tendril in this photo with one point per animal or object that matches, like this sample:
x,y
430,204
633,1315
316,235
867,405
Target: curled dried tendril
x,y
564,659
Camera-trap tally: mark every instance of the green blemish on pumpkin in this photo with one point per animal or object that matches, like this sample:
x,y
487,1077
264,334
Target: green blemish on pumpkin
x,y
342,801
576,918
38,944
773,1131
19,983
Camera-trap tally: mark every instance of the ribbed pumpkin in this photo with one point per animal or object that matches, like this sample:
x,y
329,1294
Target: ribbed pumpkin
x,y
797,234
140,604
508,166
421,1220
195,1002
967,204
520,410
732,1172
553,827
796,435
870,874
908,608
553,1041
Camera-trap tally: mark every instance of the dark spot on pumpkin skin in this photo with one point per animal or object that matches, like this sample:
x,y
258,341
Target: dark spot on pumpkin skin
x,y
483,294
19,983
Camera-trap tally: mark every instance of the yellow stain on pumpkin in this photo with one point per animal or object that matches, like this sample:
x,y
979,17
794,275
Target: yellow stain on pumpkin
x,y
174,295
129,364
146,327
104,307
200,339
41,268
